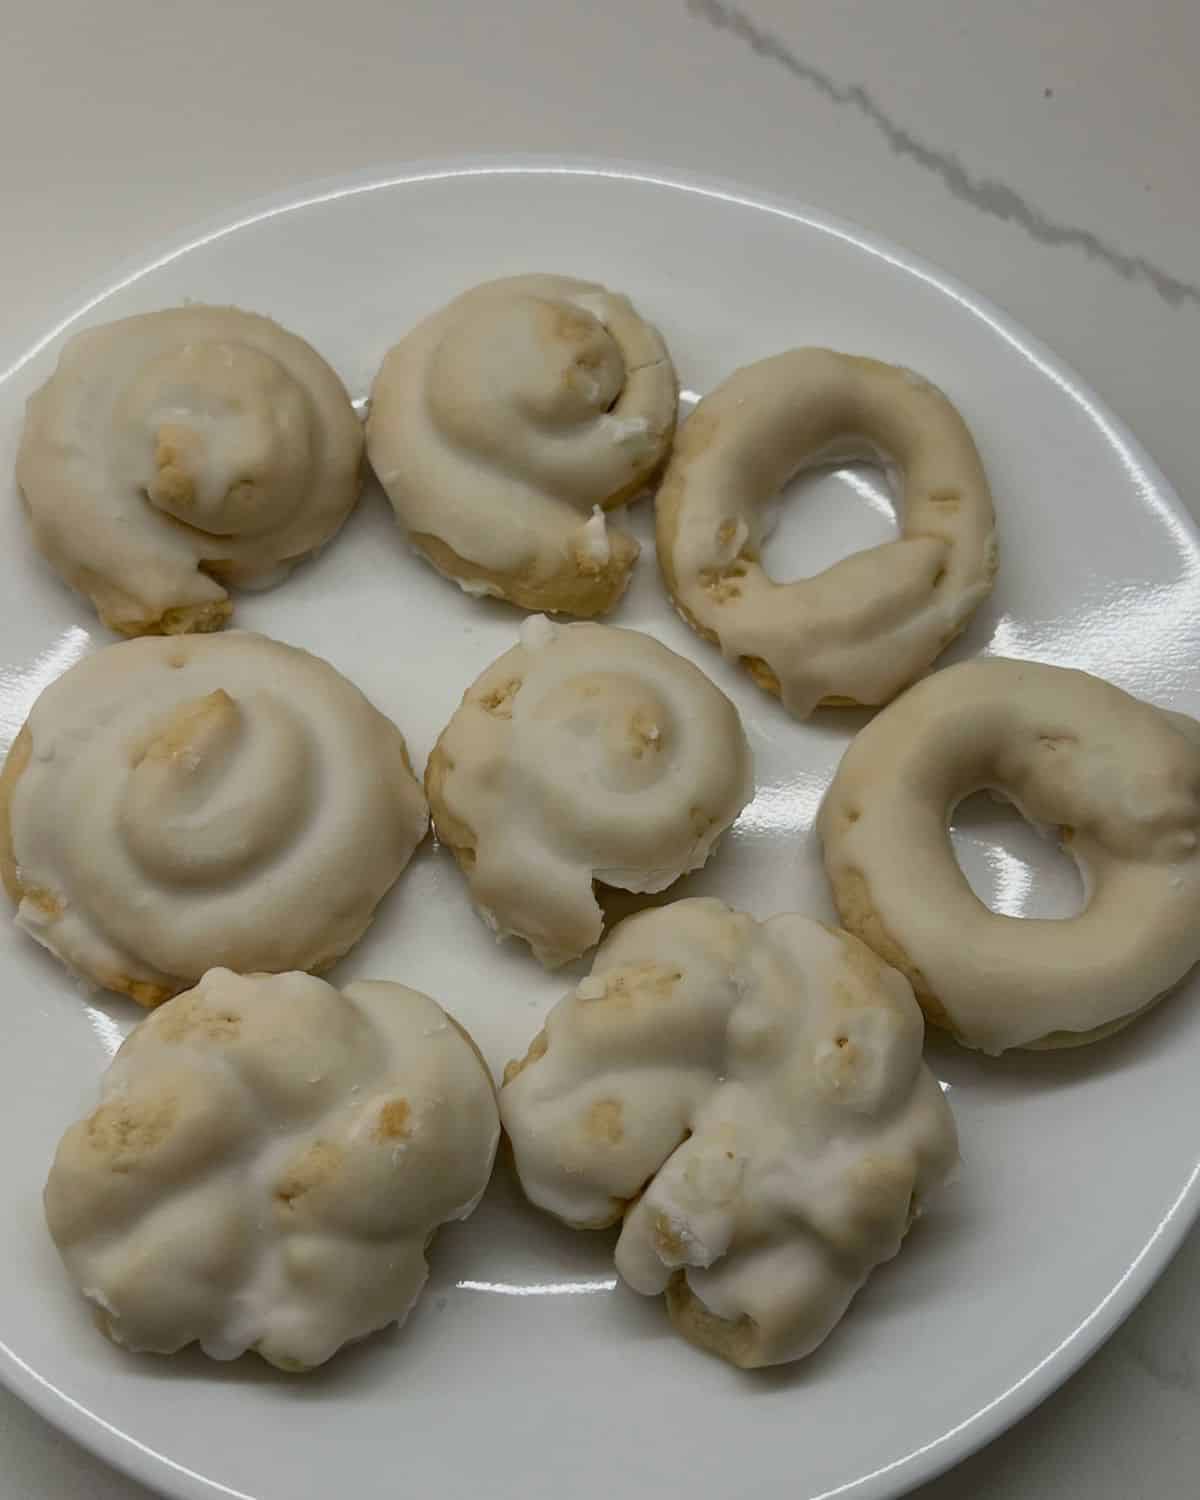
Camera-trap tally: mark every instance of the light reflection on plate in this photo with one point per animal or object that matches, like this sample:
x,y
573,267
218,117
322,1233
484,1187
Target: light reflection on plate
x,y
21,685
539,1288
109,1033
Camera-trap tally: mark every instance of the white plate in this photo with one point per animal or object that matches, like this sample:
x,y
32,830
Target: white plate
x,y
524,1371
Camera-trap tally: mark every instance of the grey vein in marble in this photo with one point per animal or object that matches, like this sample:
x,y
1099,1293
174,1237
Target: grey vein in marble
x,y
984,193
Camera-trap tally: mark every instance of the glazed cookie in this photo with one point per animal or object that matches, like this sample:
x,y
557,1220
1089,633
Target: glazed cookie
x,y
504,426
267,1165
750,1097
176,452
584,754
175,804
866,627
1120,779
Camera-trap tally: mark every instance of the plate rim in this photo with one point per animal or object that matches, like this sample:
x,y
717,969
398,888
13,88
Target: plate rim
x,y
145,1464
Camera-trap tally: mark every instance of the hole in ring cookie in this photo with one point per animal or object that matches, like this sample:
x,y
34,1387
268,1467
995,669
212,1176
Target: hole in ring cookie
x,y
1015,869
826,513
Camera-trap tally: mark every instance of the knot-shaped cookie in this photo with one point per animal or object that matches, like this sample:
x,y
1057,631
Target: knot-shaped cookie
x,y
751,1098
867,626
171,805
584,754
177,451
505,425
267,1165
1119,778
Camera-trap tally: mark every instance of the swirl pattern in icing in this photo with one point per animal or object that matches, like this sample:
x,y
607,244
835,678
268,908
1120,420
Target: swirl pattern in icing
x,y
507,424
175,452
584,754
172,805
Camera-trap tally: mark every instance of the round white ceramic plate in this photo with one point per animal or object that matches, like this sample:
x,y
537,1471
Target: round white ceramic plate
x,y
525,1371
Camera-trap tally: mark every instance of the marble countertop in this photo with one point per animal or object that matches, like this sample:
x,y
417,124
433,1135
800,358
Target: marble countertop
x,y
1043,153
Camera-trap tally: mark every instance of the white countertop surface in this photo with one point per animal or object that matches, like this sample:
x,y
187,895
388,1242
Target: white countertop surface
x,y
1045,154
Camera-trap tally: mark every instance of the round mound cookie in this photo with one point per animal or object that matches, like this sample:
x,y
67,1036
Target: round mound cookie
x,y
507,424
267,1165
1119,778
750,1098
175,804
869,625
176,452
584,754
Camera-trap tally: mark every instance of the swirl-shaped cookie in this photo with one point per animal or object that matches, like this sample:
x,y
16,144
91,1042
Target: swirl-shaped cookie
x,y
584,754
750,1098
1119,777
267,1165
866,627
505,425
178,451
172,805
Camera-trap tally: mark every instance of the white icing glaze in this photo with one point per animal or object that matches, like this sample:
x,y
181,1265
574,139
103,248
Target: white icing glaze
x,y
202,800
537,631
631,430
595,544
174,447
267,1164
479,588
763,1083
1072,752
584,753
502,420
867,626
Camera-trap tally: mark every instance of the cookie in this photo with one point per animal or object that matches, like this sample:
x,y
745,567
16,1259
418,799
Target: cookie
x,y
505,426
748,1099
174,804
1117,777
869,625
176,452
584,754
267,1165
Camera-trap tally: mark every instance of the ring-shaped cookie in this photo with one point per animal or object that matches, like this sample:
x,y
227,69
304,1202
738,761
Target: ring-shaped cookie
x,y
505,425
869,625
1118,777
179,451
